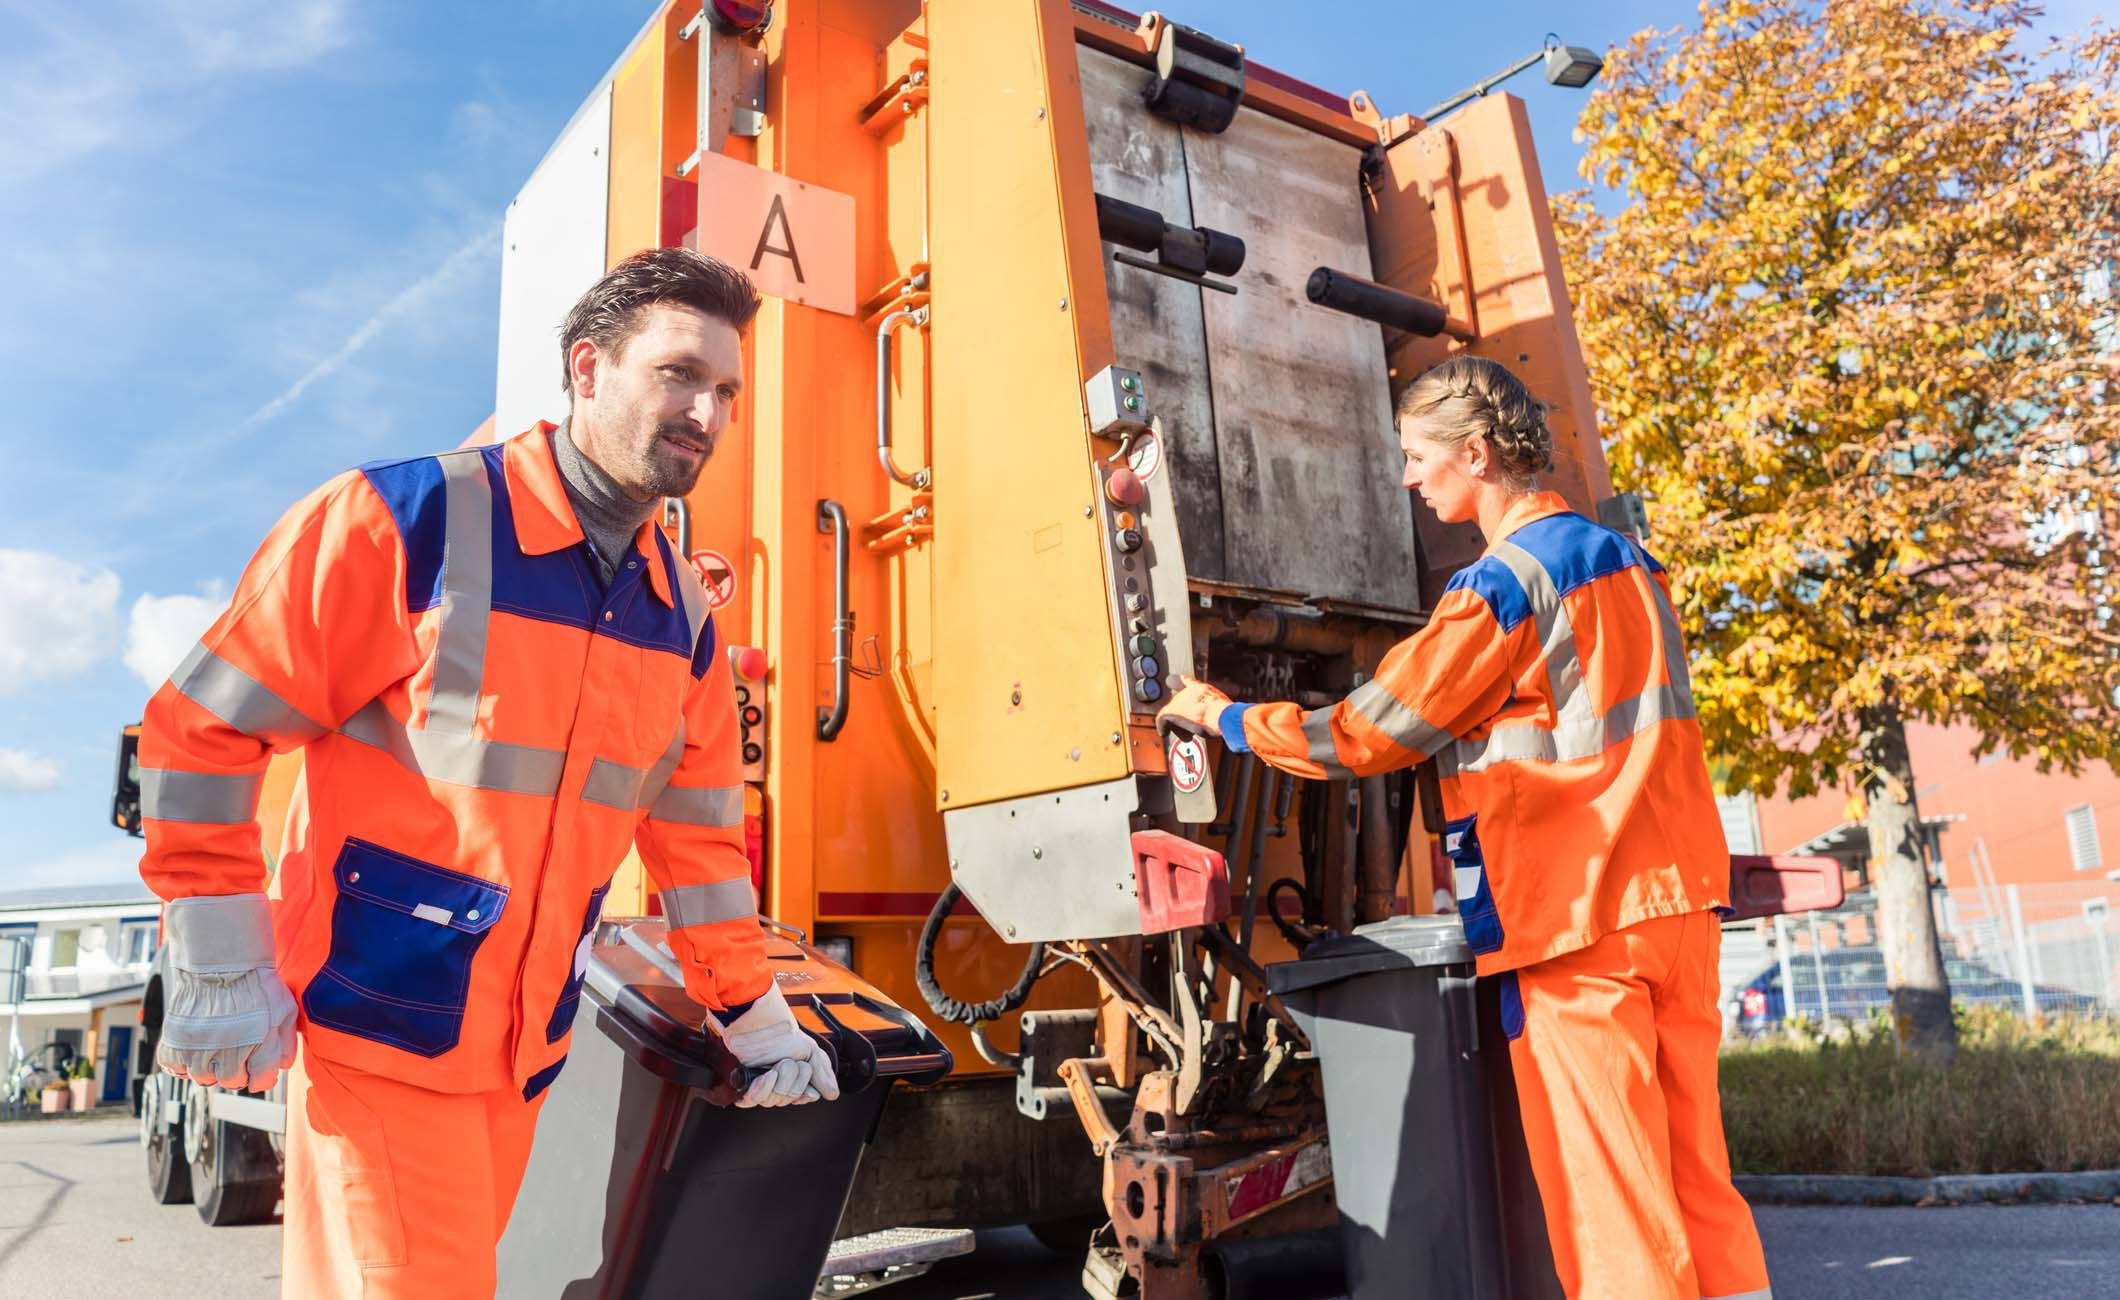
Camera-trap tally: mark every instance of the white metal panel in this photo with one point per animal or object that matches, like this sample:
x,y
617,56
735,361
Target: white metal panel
x,y
552,249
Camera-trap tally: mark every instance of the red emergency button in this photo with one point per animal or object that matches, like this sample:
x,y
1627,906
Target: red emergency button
x,y
749,662
1124,488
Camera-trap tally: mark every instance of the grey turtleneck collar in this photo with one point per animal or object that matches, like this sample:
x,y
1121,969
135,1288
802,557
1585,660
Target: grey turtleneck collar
x,y
610,519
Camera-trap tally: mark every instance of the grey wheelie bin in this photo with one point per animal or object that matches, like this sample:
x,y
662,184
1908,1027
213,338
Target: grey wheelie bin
x,y
1429,1170
647,1180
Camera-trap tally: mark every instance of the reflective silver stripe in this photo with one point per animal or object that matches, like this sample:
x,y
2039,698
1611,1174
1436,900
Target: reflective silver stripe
x,y
1407,729
690,595
726,900
237,698
659,775
1317,729
716,806
1577,738
467,594
1675,669
1764,1293
614,785
1556,634
458,760
204,797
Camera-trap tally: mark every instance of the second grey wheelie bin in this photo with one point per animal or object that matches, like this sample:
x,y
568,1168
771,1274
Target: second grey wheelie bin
x,y
647,1181
1429,1170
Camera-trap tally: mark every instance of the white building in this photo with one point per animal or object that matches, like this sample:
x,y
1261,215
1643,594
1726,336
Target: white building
x,y
73,964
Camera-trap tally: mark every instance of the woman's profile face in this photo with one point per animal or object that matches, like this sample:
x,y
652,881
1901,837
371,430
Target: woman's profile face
x,y
1443,474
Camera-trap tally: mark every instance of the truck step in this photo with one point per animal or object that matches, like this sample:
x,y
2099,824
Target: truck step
x,y
877,1259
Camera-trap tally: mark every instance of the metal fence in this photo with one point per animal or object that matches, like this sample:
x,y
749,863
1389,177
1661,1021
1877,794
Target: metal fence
x,y
2034,949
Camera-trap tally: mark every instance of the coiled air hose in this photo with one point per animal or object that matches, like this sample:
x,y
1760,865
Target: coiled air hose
x,y
949,1008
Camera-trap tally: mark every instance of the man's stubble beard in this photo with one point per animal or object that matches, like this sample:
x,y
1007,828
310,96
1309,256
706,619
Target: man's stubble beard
x,y
659,473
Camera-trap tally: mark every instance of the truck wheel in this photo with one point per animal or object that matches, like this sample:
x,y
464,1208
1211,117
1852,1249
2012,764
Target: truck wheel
x,y
1069,1236
225,1174
168,1175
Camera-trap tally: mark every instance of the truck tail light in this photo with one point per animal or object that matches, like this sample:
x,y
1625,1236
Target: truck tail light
x,y
737,18
754,837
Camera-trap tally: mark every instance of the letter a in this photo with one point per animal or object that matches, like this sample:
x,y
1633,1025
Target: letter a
x,y
765,240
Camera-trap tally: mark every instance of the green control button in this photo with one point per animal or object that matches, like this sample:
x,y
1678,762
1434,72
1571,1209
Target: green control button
x,y
1144,645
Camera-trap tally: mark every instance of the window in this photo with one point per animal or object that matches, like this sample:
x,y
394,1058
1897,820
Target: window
x,y
139,945
2083,838
66,949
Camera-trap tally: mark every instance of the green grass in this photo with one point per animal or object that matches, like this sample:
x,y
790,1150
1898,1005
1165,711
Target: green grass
x,y
2020,1098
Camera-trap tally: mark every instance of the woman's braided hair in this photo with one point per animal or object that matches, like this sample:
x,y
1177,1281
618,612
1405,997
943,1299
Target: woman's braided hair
x,y
1469,395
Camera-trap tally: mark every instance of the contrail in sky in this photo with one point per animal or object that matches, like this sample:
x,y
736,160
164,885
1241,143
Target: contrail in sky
x,y
411,296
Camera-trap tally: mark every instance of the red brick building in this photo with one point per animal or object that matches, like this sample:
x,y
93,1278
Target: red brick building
x,y
2037,829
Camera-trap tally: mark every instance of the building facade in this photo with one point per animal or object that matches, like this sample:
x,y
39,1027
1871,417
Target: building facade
x,y
73,964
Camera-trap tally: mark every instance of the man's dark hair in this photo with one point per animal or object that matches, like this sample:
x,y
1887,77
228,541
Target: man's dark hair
x,y
610,313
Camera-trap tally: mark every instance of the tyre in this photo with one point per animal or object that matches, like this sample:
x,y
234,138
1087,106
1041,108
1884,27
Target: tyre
x,y
235,1176
168,1174
1069,1236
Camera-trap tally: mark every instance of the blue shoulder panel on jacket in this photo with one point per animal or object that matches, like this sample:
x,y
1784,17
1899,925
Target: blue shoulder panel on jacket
x,y
1490,580
1574,551
412,490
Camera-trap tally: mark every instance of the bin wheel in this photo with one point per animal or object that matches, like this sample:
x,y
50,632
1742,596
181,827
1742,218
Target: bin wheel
x,y
223,1199
1069,1236
168,1174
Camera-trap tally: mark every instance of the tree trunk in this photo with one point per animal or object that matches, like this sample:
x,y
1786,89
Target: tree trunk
x,y
1906,920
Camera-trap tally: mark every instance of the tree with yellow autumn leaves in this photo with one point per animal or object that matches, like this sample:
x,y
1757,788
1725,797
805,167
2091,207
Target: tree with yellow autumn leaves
x,y
1849,306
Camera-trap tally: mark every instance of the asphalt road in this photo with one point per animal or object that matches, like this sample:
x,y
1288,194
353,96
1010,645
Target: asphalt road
x,y
75,1218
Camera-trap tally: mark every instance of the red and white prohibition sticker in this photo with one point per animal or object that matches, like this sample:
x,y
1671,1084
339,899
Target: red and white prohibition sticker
x,y
1144,454
1188,763
717,575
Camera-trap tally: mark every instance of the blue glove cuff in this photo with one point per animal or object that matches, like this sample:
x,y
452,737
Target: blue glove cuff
x,y
1231,724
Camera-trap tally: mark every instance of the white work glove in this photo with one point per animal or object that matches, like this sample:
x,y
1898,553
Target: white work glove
x,y
228,1019
793,1067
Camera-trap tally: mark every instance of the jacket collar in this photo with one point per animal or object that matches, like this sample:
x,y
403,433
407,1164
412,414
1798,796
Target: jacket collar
x,y
1528,510
544,517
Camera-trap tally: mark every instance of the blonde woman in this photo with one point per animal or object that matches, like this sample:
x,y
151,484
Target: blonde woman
x,y
1550,685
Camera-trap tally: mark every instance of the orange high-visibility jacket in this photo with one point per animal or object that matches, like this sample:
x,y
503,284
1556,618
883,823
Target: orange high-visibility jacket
x,y
486,730
1550,687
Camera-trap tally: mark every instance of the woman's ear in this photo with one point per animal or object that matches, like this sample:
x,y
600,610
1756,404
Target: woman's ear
x,y
1478,454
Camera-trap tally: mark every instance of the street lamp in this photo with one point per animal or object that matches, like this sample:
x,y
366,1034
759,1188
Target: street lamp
x,y
1566,65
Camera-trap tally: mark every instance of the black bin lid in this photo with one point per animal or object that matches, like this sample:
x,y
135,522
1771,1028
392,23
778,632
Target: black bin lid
x,y
639,990
1399,943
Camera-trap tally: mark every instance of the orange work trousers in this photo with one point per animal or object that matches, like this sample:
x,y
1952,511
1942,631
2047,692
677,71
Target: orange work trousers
x,y
1614,1049
394,1191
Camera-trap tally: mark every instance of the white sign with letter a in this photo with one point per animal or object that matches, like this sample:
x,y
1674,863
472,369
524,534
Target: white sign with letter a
x,y
794,239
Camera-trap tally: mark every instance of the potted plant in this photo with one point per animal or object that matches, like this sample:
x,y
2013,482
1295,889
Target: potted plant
x,y
81,1082
54,1097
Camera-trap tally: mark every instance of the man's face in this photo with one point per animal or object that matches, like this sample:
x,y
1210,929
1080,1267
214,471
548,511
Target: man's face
x,y
650,413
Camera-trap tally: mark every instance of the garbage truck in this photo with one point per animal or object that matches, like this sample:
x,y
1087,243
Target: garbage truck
x,y
1075,369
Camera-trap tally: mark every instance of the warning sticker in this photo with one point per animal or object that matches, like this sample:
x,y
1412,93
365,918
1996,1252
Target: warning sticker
x,y
1188,763
1144,455
717,575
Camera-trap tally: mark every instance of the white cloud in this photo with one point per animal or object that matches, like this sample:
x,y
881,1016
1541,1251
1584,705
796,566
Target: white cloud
x,y
56,617
23,771
163,630
261,35
69,90
114,861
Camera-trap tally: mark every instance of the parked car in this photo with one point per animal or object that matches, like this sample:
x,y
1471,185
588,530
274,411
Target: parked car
x,y
1855,986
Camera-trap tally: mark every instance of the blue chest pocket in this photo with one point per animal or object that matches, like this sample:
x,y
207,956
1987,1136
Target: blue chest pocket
x,y
563,1014
1475,897
403,935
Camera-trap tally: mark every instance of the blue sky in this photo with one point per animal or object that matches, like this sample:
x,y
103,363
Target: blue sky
x,y
246,244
